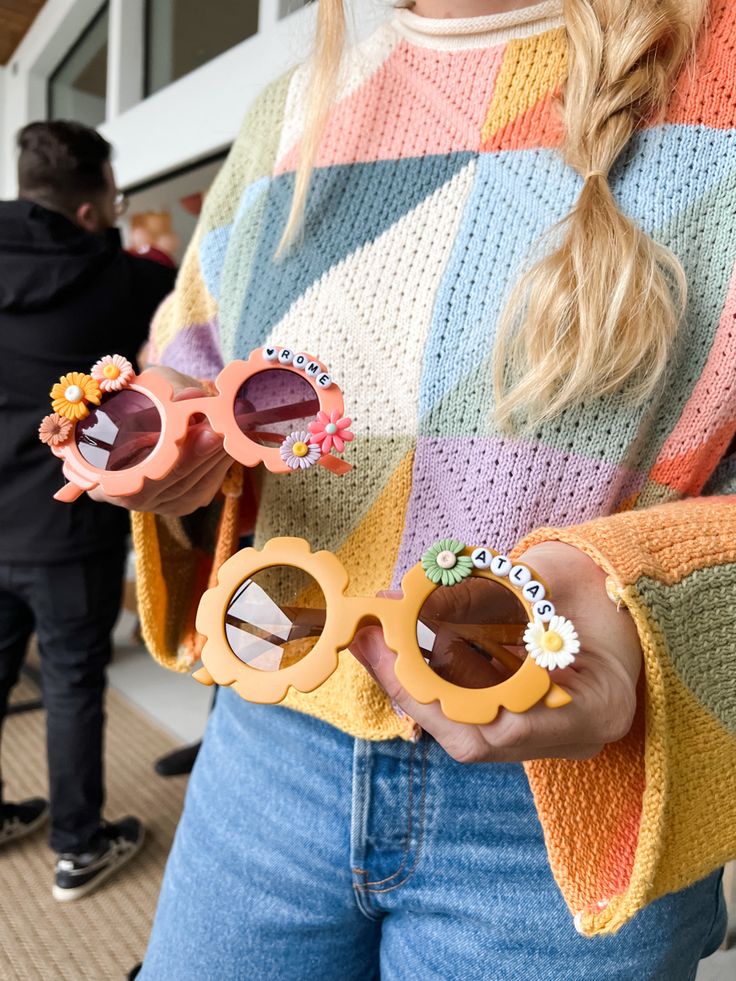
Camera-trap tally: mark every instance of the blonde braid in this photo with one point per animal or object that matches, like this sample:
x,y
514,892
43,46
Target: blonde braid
x,y
602,310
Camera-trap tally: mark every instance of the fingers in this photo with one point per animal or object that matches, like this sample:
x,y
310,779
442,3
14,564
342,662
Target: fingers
x,y
372,652
188,486
574,731
201,492
183,385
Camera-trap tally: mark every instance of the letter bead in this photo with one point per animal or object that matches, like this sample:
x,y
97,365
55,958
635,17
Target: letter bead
x,y
481,558
543,610
313,368
520,575
324,380
533,591
500,566
270,353
301,361
286,356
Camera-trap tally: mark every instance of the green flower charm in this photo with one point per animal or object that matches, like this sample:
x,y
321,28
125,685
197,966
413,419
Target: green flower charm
x,y
444,564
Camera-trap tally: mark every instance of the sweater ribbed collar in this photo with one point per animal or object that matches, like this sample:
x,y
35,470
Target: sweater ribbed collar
x,y
457,33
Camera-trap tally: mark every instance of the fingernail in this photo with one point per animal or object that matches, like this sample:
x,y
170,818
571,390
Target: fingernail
x,y
206,443
372,655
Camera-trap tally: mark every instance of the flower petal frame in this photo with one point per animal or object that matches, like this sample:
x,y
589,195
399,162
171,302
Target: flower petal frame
x,y
224,668
175,416
529,685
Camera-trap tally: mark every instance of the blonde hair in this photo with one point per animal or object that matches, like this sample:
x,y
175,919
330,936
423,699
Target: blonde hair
x,y
600,312
324,73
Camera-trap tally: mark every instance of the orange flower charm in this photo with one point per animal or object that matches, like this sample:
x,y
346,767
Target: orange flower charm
x,y
54,429
72,392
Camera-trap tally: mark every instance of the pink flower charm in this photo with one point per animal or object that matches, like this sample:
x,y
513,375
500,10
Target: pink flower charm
x,y
113,372
54,429
297,452
330,431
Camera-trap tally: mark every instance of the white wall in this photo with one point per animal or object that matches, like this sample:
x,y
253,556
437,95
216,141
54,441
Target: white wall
x,y
190,119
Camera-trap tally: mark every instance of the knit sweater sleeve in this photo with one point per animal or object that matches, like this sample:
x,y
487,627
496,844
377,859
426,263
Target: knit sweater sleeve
x,y
655,812
176,558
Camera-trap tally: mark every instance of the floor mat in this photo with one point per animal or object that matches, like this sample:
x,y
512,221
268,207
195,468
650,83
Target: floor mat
x,y
102,935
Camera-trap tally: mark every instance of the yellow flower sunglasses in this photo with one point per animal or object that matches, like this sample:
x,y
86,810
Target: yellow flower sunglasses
x,y
472,630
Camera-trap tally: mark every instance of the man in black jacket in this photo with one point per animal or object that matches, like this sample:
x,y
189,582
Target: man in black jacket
x,y
69,294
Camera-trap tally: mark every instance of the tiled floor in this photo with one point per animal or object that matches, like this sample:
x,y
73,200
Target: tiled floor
x,y
180,705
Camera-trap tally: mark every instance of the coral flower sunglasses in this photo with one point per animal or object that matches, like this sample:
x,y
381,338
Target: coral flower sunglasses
x,y
114,429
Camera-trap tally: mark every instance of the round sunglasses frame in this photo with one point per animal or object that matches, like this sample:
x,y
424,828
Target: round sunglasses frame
x,y
174,416
529,685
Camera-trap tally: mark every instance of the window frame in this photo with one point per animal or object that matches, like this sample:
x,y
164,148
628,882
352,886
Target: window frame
x,y
81,38
148,92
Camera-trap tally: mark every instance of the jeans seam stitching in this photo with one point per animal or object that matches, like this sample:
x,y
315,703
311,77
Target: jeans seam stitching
x,y
420,839
367,886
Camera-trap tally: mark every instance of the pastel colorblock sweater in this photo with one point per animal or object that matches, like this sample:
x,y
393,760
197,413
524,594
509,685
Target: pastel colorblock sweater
x,y
438,172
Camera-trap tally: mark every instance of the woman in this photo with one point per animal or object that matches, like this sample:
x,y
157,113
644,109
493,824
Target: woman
x,y
355,832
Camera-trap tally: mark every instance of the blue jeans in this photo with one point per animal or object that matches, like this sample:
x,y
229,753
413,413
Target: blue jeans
x,y
306,855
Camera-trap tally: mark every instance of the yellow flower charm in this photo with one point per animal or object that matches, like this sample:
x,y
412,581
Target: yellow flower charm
x,y
72,392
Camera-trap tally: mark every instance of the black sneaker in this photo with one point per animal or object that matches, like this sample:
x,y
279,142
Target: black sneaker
x,y
19,820
77,875
177,762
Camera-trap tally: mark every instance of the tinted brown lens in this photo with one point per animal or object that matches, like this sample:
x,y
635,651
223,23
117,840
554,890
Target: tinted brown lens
x,y
275,618
470,634
120,433
274,403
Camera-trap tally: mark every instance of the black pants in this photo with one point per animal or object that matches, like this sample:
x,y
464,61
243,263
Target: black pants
x,y
72,607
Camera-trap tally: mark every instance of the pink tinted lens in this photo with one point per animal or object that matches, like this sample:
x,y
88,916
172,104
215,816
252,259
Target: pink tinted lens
x,y
274,403
275,618
120,433
470,634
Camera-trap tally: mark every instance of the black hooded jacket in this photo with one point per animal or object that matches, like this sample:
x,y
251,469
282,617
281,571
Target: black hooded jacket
x,y
67,298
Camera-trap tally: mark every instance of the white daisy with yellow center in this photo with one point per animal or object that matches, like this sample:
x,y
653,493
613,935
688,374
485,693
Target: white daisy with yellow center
x,y
552,645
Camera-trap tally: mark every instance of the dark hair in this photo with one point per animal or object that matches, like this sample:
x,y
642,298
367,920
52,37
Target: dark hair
x,y
61,163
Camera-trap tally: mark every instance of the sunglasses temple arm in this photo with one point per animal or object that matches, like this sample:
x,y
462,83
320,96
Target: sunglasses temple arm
x,y
334,464
279,413
69,493
305,623
504,657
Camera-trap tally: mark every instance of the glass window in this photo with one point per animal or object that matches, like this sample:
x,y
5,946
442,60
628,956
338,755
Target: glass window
x,y
77,89
181,35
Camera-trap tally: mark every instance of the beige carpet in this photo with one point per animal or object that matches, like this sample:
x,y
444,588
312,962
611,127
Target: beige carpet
x,y
104,934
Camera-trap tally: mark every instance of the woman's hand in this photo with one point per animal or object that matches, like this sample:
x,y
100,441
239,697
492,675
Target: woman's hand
x,y
602,681
198,473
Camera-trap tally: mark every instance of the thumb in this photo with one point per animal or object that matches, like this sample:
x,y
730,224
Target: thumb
x,y
370,649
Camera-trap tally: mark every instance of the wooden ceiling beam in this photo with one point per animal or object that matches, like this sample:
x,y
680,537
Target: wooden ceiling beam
x,y
16,16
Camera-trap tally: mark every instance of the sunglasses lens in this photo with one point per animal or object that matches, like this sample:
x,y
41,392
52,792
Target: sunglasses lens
x,y
275,618
470,634
120,433
274,403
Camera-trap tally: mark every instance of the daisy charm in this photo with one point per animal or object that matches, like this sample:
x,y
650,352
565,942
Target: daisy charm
x,y
553,647
298,453
445,564
113,372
